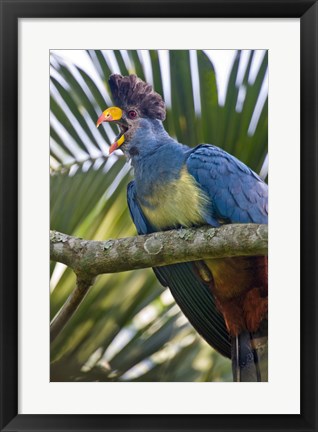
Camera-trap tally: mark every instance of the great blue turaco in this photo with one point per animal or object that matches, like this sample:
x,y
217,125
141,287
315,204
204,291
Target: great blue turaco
x,y
177,186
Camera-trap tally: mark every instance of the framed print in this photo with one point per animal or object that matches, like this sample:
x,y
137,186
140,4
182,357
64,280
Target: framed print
x,y
156,69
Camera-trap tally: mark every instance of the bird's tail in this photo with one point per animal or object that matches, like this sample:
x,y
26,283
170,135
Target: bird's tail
x,y
250,356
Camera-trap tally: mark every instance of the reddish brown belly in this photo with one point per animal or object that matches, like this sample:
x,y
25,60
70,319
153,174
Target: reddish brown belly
x,y
240,288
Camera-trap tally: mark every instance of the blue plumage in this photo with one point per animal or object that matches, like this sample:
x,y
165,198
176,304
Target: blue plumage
x,y
155,156
237,194
143,226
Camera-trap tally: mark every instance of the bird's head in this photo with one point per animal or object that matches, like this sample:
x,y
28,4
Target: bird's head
x,y
136,103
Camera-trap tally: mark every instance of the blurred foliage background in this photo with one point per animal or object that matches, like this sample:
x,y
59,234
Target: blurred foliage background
x,y
129,328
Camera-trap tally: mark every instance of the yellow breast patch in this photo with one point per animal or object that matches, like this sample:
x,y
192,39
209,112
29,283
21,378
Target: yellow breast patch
x,y
180,202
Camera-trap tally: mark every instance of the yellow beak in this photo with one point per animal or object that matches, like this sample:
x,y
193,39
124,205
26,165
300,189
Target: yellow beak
x,y
110,115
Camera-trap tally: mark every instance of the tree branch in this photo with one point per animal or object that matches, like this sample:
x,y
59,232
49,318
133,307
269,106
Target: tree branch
x,y
70,306
90,258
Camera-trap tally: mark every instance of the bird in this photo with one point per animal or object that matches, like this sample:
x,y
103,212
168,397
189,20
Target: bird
x,y
175,187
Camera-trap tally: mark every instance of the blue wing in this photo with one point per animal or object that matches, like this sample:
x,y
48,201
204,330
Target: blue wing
x,y
142,225
237,194
192,295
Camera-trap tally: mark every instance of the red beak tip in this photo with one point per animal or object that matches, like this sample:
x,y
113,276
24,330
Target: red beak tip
x,y
100,120
113,147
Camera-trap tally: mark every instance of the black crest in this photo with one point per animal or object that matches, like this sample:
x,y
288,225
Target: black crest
x,y
131,91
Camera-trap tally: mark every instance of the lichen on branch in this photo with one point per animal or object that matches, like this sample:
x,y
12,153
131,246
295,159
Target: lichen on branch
x,y
89,257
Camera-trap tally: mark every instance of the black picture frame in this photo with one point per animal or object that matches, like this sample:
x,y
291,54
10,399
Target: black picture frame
x,y
11,11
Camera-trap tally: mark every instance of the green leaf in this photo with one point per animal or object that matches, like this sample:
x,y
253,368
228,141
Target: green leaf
x,y
182,97
74,108
209,99
121,63
134,57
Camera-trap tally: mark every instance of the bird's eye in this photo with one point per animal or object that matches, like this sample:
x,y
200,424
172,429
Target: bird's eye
x,y
132,114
